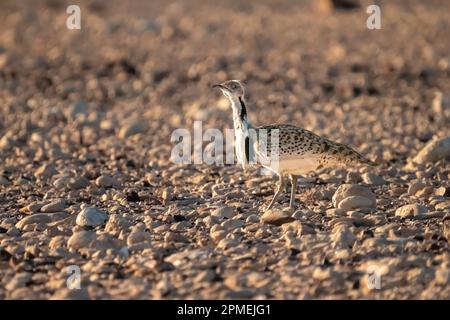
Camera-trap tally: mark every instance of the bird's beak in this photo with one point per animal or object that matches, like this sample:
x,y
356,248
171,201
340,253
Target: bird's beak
x,y
220,86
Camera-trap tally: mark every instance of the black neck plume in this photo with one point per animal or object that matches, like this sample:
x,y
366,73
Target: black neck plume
x,y
243,113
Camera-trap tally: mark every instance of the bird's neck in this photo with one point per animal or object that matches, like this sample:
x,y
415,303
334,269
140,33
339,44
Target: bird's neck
x,y
240,116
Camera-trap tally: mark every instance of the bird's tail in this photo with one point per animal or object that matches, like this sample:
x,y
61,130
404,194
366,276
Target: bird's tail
x,y
344,154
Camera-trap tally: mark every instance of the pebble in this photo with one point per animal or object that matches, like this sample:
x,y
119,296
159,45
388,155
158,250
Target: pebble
x,y
342,236
355,202
45,171
106,181
276,217
54,206
415,187
138,236
91,217
348,190
373,179
411,210
81,239
433,151
4,182
223,212
39,218
131,129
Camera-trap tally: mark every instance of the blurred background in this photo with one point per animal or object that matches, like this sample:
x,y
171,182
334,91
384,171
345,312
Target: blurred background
x,y
311,63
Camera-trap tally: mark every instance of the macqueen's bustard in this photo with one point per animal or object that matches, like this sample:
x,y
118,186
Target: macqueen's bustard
x,y
296,151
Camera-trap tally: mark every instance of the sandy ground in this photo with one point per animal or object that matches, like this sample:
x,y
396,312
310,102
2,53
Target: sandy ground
x,y
86,181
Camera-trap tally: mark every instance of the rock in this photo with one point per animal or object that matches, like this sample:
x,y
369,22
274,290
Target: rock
x,y
300,228
45,171
226,243
205,276
442,276
81,239
78,183
373,179
132,128
253,218
231,224
32,207
13,232
276,217
117,224
54,206
442,191
38,218
106,181
348,190
435,150
20,280
342,237
70,294
443,205
446,228
355,202
91,217
223,212
4,182
138,236
216,236
415,187
410,210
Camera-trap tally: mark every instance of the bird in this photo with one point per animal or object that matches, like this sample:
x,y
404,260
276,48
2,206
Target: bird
x,y
287,150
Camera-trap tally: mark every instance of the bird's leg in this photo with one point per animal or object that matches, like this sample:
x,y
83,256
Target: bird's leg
x,y
280,188
293,189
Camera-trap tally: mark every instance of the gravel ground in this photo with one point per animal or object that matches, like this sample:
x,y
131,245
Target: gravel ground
x,y
86,178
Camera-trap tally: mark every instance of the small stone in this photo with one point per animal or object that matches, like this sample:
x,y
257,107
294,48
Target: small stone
x,y
54,206
355,202
442,191
70,294
137,236
20,280
342,237
117,224
223,212
415,187
32,207
227,243
91,217
253,218
435,150
276,217
81,239
45,171
4,182
443,205
79,183
39,218
348,190
216,236
442,277
205,276
133,197
231,224
446,228
373,179
131,129
13,232
106,181
410,210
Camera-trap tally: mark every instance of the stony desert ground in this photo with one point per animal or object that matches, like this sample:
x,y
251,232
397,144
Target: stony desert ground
x,y
86,179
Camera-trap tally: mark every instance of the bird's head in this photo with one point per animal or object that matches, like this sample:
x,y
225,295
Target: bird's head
x,y
232,89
